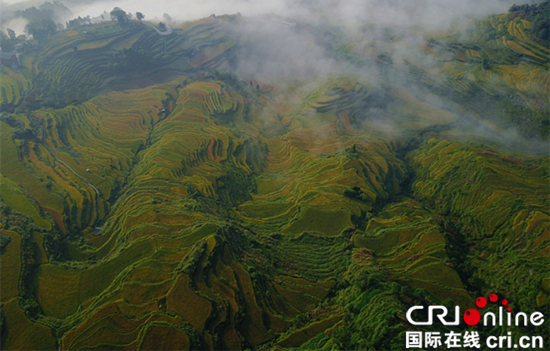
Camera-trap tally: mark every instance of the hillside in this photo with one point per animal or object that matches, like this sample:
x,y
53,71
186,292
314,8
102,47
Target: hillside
x,y
153,198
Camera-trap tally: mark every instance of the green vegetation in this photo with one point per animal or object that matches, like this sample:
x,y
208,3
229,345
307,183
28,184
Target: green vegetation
x,y
503,63
10,40
41,29
150,201
119,15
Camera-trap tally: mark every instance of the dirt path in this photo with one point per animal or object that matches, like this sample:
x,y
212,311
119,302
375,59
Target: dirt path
x,y
168,30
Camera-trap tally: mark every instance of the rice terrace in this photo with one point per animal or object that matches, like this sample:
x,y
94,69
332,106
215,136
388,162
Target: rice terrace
x,y
294,176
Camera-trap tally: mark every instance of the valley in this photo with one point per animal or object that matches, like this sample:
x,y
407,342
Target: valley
x,y
155,194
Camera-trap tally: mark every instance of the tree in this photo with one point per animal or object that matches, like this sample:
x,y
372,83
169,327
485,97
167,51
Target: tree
x,y
139,16
11,34
6,43
355,192
74,23
9,41
4,240
119,15
167,18
34,14
41,29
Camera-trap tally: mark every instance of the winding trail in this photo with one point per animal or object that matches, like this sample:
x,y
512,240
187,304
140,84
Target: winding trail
x,y
168,30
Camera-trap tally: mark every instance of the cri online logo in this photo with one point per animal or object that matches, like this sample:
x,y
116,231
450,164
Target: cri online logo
x,y
473,317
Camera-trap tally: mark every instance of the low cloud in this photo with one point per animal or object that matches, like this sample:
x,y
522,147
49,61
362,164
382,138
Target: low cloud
x,y
299,39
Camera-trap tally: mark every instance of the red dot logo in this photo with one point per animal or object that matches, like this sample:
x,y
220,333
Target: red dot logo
x,y
493,298
509,309
481,302
504,302
471,317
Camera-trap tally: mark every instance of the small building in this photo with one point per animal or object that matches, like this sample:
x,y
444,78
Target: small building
x,y
8,59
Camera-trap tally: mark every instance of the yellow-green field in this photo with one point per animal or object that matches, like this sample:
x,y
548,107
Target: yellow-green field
x,y
183,208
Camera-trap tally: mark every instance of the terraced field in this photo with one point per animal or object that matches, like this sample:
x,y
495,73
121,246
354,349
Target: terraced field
x,y
74,65
190,209
407,241
498,68
13,87
501,211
